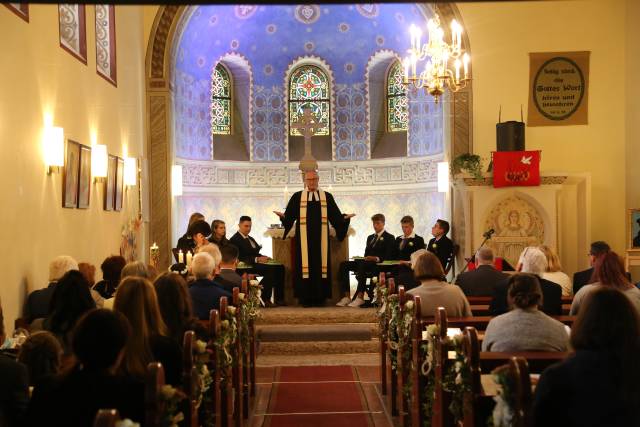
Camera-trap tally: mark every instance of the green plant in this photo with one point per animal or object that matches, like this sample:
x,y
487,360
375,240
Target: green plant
x,y
471,163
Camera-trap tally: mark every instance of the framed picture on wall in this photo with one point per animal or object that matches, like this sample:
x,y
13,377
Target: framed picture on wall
x,y
117,204
71,175
110,184
84,182
634,229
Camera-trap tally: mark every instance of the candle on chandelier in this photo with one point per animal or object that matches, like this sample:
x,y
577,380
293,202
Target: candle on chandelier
x,y
406,64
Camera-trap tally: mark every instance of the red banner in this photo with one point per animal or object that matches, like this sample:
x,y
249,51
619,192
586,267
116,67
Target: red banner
x,y
516,168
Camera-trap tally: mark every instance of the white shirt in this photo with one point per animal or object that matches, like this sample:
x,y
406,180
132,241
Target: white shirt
x,y
561,279
313,195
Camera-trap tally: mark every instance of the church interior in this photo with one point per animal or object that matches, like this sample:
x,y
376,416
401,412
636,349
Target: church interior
x,y
134,117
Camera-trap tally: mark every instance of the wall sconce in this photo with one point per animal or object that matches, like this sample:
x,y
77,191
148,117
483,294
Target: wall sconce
x,y
53,145
130,171
99,159
176,180
443,177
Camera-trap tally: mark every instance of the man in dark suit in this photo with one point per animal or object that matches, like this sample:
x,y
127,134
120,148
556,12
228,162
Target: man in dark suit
x,y
228,277
533,261
205,292
14,387
407,244
441,245
249,253
482,280
583,277
380,246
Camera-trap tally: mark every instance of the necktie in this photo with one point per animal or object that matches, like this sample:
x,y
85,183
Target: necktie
x,y
403,243
375,240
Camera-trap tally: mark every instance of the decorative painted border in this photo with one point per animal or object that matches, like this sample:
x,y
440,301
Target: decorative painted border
x,y
111,35
252,175
82,29
20,9
324,65
488,181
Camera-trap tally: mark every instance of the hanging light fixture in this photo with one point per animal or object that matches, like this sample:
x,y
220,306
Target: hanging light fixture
x,y
438,56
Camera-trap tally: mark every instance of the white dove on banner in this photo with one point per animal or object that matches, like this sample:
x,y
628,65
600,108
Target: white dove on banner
x,y
526,160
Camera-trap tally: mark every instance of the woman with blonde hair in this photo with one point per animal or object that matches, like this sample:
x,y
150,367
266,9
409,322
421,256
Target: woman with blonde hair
x,y
554,271
136,299
434,291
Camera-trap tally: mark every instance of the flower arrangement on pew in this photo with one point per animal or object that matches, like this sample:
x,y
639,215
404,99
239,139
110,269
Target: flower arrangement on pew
x,y
226,338
171,398
254,300
392,332
428,371
503,412
202,356
457,379
404,326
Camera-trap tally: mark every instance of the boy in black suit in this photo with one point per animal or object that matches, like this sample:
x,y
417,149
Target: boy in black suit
x,y
380,246
249,249
441,245
407,244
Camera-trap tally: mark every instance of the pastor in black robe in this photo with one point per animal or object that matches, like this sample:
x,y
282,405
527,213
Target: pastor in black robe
x,y
314,290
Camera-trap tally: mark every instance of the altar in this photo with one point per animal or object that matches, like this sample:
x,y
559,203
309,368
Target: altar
x,y
284,252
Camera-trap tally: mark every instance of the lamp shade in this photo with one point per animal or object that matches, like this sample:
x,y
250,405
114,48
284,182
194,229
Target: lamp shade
x,y
130,171
443,177
176,180
99,160
53,145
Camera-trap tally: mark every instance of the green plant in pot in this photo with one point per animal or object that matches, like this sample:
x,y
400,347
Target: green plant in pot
x,y
471,163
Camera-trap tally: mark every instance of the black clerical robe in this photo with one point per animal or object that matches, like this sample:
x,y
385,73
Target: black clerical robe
x,y
315,289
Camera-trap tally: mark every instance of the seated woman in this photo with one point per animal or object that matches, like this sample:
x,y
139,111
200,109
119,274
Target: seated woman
x,y
608,270
111,268
175,307
554,272
136,300
434,291
74,399
525,328
70,300
599,385
41,353
219,233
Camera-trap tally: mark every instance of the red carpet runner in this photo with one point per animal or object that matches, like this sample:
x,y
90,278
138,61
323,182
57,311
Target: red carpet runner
x,y
323,396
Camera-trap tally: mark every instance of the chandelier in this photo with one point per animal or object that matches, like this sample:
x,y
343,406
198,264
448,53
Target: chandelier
x,y
437,74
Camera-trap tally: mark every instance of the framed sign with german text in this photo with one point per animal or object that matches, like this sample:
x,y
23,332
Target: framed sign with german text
x,y
558,88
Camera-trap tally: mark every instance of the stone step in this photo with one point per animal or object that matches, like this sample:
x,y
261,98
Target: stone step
x,y
317,347
321,315
345,359
317,332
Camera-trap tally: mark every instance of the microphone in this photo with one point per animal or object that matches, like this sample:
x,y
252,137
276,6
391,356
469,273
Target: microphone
x,y
488,233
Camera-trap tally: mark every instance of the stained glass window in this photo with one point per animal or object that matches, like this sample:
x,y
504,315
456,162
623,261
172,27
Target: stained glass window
x,y
220,101
397,112
309,88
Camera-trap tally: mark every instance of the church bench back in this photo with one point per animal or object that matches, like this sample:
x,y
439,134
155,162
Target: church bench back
x,y
154,405
236,369
106,418
538,361
216,386
189,381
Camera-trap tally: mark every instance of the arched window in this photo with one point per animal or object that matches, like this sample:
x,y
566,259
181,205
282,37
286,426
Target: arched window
x,y
397,112
309,87
221,101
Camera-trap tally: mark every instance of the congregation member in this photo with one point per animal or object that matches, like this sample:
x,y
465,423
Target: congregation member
x,y
89,273
111,269
174,302
585,277
533,261
99,345
599,384
41,353
249,253
441,245
227,275
554,271
435,292
213,250
380,246
199,232
205,293
136,299
608,271
483,280
525,328
136,269
38,301
219,233
406,244
186,242
14,386
70,300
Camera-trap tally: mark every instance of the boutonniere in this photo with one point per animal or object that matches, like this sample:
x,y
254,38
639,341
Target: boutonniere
x,y
410,243
382,239
434,245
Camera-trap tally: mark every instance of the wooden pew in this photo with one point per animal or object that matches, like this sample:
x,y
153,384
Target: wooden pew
x,y
154,405
417,380
382,324
391,377
252,346
190,381
441,414
236,369
538,361
106,418
224,414
214,411
404,366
